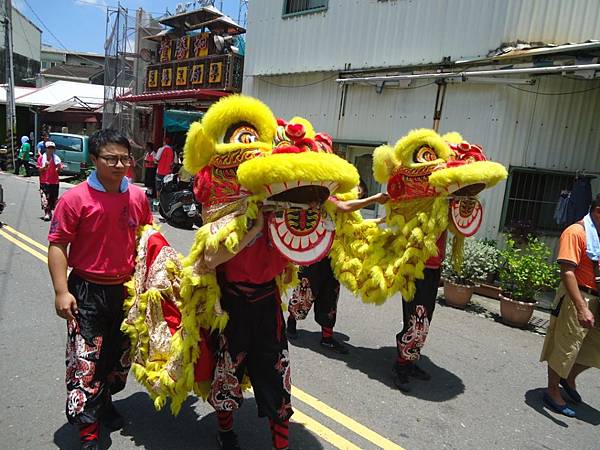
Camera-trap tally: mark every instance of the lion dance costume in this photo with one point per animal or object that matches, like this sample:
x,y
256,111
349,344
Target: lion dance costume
x,y
214,332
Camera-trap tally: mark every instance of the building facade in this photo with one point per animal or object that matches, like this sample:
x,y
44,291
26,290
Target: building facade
x,y
27,43
541,126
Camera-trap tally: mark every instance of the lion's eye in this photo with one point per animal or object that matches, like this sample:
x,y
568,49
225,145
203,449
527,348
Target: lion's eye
x,y
244,135
425,154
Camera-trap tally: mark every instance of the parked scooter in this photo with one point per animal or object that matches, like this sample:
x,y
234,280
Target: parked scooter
x,y
177,203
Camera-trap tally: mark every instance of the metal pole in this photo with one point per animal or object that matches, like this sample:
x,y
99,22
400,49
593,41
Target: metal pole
x,y
439,103
473,73
11,110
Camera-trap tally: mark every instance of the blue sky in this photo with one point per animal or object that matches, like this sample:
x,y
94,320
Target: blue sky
x,y
81,24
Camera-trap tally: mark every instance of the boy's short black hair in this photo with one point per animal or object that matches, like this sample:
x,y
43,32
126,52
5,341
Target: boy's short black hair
x,y
595,202
107,136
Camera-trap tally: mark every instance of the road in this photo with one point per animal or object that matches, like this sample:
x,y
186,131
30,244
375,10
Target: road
x,y
485,391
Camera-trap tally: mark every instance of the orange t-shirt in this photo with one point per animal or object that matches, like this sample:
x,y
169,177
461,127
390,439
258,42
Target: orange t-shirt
x,y
571,249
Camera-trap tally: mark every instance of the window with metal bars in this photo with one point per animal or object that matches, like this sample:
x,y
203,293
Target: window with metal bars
x,y
530,200
303,6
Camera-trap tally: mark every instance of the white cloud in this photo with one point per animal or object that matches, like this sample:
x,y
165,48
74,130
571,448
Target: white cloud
x,y
101,4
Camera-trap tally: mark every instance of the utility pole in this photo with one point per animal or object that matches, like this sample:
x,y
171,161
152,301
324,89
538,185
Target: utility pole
x,y
11,113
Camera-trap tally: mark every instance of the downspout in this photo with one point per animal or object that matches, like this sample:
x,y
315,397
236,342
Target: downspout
x,y
439,103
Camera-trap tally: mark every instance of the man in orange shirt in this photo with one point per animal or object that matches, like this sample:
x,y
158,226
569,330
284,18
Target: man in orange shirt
x,y
572,343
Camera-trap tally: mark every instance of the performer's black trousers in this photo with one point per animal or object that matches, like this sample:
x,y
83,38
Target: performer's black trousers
x,y
97,355
253,342
417,316
318,285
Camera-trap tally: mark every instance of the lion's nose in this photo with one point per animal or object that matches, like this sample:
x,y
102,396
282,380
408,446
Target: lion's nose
x,y
288,148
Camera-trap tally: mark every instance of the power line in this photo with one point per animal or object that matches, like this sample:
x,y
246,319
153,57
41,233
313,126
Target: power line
x,y
298,85
553,93
54,36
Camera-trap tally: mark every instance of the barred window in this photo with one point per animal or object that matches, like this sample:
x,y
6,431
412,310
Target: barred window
x,y
531,197
303,6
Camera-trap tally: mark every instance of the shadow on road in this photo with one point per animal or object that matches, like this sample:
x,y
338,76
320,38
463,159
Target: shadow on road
x,y
158,430
585,412
377,364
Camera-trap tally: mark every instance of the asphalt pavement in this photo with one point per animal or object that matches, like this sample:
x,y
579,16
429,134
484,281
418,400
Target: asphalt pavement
x,y
485,391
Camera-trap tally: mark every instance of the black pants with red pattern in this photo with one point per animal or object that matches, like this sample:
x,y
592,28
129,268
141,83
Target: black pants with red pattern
x,y
318,285
253,343
417,316
51,193
97,355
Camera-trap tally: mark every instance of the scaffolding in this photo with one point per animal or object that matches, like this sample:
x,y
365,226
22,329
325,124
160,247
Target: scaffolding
x,y
118,69
243,13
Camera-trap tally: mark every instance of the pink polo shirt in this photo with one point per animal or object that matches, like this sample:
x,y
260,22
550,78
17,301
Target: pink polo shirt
x,y
100,228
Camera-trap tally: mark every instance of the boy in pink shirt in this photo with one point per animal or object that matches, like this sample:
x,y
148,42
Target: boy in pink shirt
x,y
94,232
49,164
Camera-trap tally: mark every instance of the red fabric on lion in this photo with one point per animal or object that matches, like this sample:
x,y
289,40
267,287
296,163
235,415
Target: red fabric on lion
x,y
205,365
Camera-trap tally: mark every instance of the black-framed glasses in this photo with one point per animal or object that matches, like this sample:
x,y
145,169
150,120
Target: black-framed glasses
x,y
112,161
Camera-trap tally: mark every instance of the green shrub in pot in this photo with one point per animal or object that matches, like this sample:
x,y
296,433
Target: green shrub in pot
x,y
479,259
527,270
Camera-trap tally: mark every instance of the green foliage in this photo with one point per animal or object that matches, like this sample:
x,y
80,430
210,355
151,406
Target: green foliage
x,y
82,176
526,270
480,258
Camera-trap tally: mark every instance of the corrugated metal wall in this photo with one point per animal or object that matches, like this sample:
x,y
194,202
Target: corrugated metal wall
x,y
376,33
559,132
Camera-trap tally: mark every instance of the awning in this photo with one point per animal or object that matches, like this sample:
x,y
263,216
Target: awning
x,y
177,120
192,20
179,95
87,103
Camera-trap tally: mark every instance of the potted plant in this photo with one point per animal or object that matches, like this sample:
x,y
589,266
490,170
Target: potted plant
x,y
478,260
525,272
486,282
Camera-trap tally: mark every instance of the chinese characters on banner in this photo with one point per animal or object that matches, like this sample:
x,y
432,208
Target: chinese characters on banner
x,y
201,45
182,48
166,79
165,50
182,75
197,76
153,78
216,73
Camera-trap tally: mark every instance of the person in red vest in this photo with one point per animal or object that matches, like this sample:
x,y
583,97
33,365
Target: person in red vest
x,y
164,159
149,169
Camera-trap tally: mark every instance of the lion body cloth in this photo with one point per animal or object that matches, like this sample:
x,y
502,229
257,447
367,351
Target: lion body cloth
x,y
246,161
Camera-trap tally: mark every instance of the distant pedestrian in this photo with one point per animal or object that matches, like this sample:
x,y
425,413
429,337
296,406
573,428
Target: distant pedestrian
x,y
165,156
94,232
572,342
41,146
131,170
23,157
49,165
150,169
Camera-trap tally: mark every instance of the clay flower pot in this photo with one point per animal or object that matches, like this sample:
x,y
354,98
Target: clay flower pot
x,y
488,290
515,313
457,295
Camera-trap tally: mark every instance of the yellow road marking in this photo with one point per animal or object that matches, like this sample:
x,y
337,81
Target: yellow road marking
x,y
322,431
25,247
344,420
26,238
299,417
